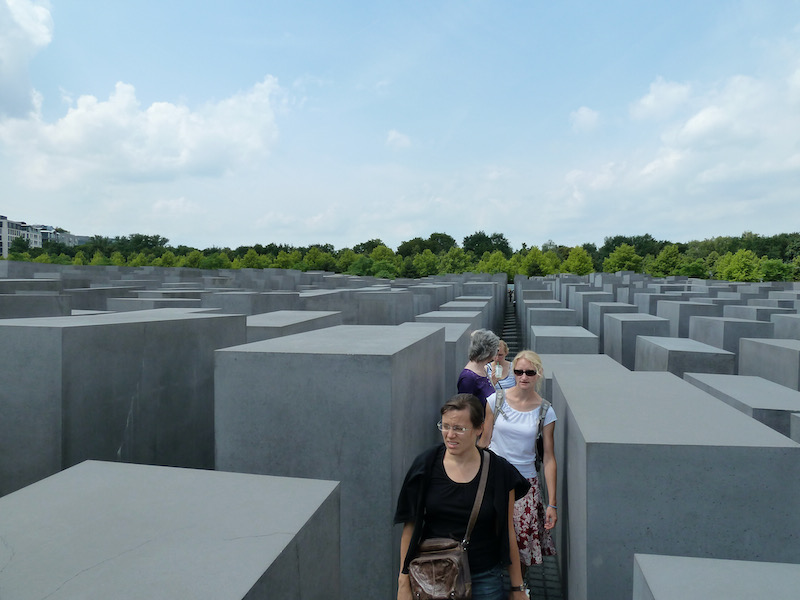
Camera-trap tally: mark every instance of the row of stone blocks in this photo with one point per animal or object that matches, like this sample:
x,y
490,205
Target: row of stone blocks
x,y
327,401
650,464
683,335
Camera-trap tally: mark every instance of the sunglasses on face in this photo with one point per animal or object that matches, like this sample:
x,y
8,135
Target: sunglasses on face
x,y
528,372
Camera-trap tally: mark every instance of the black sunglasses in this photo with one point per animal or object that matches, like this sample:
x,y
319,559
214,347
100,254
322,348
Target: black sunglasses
x,y
528,372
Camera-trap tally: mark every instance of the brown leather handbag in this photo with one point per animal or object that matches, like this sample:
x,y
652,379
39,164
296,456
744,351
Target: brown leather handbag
x,y
440,571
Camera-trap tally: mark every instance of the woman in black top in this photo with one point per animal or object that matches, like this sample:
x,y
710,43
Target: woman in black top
x,y
437,497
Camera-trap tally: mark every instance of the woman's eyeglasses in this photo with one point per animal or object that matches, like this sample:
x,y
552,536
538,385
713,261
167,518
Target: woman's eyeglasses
x,y
528,372
444,428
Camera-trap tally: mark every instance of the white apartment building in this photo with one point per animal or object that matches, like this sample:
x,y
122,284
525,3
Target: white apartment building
x,y
14,229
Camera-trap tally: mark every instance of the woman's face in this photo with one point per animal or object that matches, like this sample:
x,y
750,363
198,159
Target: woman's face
x,y
525,380
501,356
458,433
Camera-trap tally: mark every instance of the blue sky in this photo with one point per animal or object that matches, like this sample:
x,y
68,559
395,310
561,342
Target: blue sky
x,y
236,123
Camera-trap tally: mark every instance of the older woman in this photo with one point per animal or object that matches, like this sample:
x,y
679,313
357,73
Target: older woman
x,y
514,438
500,369
437,497
483,346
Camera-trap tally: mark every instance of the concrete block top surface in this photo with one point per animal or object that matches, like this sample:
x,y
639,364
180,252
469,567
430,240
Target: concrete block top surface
x,y
107,318
634,317
750,390
123,531
682,344
344,340
553,362
561,331
688,578
452,331
280,318
451,314
647,407
778,342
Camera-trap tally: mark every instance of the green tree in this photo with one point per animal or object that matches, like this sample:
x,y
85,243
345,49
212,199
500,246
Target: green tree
x,y
361,266
668,262
318,260
251,260
367,247
117,259
533,263
623,258
773,269
551,263
192,260
44,257
287,260
346,258
19,245
742,266
455,261
80,258
496,262
140,259
439,243
216,260
426,264
578,262
99,259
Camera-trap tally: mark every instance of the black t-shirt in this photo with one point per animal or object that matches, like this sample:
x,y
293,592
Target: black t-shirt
x,y
448,507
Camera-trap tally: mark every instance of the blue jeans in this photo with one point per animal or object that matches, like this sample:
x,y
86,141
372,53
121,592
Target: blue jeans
x,y
489,585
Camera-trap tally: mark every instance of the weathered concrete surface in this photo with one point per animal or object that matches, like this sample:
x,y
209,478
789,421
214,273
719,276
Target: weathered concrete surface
x,y
121,531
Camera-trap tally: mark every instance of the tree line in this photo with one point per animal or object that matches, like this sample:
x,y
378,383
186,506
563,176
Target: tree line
x,y
749,257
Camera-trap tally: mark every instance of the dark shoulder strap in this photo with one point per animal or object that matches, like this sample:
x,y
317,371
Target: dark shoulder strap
x,y
543,408
476,507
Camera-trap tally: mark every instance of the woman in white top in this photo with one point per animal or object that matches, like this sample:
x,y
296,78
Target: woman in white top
x,y
514,438
499,370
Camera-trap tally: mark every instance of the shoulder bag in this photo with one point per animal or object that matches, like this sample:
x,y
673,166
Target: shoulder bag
x,y
440,571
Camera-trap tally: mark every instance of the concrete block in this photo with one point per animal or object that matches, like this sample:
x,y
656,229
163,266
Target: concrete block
x,y
563,340
786,326
776,360
584,299
481,306
456,342
470,317
636,445
96,298
620,331
679,355
754,313
647,302
122,531
134,304
134,387
597,310
765,401
384,307
725,332
794,427
281,323
678,313
368,396
34,304
688,578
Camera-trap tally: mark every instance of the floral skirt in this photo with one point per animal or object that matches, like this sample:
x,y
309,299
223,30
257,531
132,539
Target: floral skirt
x,y
529,518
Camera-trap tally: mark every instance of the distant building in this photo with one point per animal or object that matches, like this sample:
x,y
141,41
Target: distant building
x,y
35,234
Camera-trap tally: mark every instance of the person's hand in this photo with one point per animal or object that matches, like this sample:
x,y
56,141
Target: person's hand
x,y
551,518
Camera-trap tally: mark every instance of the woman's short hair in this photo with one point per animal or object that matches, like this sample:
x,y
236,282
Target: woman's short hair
x,y
462,401
503,346
483,345
532,358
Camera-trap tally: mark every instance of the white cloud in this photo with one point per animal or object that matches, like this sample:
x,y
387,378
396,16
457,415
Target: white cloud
x,y
25,28
118,140
664,98
395,139
584,119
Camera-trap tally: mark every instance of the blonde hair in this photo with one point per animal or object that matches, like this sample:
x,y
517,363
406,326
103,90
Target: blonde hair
x,y
503,346
535,360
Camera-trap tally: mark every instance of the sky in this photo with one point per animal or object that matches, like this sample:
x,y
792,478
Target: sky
x,y
227,124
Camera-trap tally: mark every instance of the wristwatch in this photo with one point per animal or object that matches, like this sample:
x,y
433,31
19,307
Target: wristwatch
x,y
518,588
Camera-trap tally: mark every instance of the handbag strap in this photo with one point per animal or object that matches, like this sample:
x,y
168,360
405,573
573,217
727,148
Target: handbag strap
x,y
543,408
478,498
